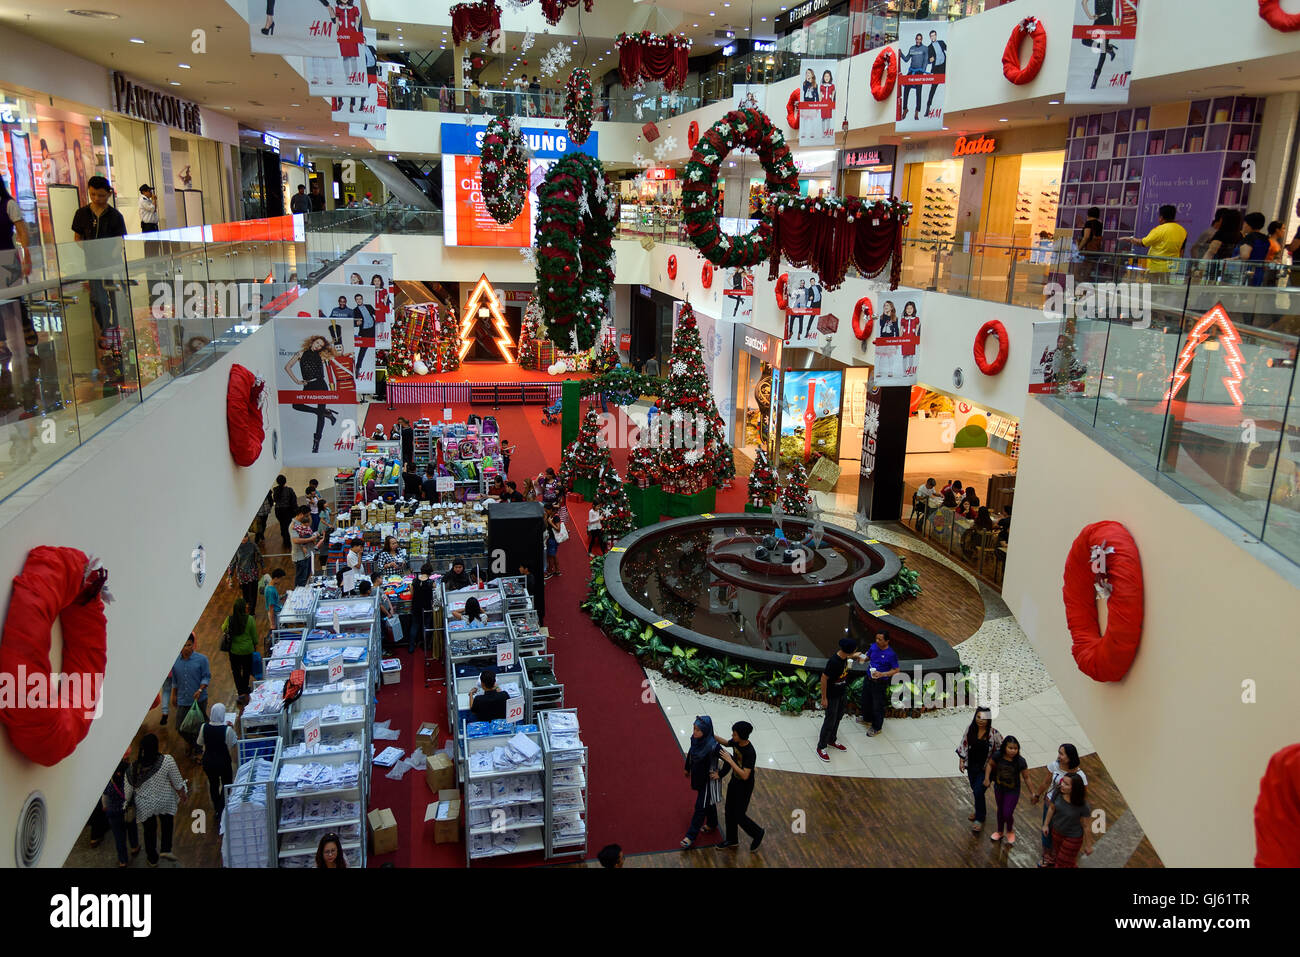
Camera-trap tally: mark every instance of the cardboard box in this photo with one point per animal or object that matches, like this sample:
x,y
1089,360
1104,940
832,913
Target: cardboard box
x,y
446,829
383,830
426,738
390,674
440,772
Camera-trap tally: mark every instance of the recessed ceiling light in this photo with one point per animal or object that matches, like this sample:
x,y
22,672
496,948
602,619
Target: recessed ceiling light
x,y
1053,102
183,66
293,104
227,107
173,83
695,24
136,40
763,19
1002,119
336,134
95,14
712,14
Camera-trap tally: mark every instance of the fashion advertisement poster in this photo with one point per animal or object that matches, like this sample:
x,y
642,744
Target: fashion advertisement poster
x,y
65,154
339,75
379,282
817,103
369,106
306,27
1058,366
316,392
810,415
750,96
1101,51
803,293
738,294
898,342
350,308
923,65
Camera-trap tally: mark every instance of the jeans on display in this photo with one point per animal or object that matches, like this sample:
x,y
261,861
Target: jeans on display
x,y
831,723
1006,800
125,836
976,777
301,571
241,666
703,815
159,822
737,813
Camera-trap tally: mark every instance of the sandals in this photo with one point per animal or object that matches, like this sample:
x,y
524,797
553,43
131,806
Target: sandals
x,y
977,827
687,844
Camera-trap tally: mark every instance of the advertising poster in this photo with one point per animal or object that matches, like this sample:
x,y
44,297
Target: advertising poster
x,y
338,75
923,65
65,154
1056,368
350,309
305,27
817,103
810,415
316,392
376,131
369,107
898,343
1187,181
1101,51
804,295
750,96
739,295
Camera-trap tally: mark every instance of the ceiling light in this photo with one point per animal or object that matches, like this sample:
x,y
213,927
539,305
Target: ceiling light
x,y
173,83
336,134
183,66
95,14
293,104
1053,102
695,24
712,14
226,107
136,40
1002,119
764,19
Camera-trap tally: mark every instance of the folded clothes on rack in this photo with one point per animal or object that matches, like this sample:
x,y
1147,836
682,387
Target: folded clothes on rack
x,y
562,721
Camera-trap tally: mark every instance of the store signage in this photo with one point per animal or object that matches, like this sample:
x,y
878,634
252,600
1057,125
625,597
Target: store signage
x,y
311,734
271,141
545,142
625,342
336,669
763,46
760,344
729,50
7,116
645,291
872,156
656,172
131,99
505,655
981,144
805,10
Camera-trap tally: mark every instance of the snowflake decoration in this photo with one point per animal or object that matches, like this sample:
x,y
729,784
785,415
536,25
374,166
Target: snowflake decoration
x,y
697,174
555,60
639,159
640,114
670,142
515,128
662,151
678,415
693,456
679,367
871,420
529,256
593,295
527,42
611,208
490,166
600,190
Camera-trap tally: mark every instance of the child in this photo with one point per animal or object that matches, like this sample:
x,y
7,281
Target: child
x,y
1006,768
1065,821
594,534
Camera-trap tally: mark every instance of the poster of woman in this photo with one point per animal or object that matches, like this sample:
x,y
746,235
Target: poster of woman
x,y
740,293
1101,54
898,344
316,392
304,27
817,98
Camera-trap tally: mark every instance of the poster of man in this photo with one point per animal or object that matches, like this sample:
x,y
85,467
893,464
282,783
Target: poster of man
x,y
922,75
804,295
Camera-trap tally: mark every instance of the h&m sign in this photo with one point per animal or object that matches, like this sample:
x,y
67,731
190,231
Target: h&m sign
x,y
131,99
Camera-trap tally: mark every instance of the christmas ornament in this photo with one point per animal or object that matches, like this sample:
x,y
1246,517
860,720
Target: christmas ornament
x,y
1033,28
553,10
995,328
504,169
420,368
650,56
884,72
828,235
578,105
556,58
469,21
1104,562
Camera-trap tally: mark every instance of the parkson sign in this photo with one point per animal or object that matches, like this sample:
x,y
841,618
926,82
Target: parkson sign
x,y
151,106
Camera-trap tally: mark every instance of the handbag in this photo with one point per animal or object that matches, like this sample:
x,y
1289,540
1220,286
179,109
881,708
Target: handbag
x,y
395,627
225,639
562,533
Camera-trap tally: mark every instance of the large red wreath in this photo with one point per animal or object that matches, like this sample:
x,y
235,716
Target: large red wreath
x,y
1105,657
672,266
884,71
244,394
1272,13
992,327
1028,27
1277,812
706,275
469,21
692,134
792,110
55,583
863,332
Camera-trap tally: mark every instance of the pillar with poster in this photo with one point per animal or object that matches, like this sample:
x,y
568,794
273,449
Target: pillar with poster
x,y
884,452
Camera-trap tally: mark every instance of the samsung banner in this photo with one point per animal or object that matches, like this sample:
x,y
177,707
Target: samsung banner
x,y
546,142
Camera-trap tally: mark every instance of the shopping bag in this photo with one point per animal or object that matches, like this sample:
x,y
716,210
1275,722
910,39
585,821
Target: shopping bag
x,y
257,666
395,626
193,720
562,533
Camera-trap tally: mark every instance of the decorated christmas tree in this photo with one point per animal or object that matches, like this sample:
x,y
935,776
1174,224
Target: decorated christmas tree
x,y
616,518
414,333
688,415
794,493
586,454
607,358
530,328
446,357
721,459
762,482
643,463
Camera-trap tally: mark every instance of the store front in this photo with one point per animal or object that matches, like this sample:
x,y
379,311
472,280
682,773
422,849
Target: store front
x,y
949,438
868,173
650,203
758,361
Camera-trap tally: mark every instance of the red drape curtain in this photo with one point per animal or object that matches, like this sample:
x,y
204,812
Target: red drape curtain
x,y
471,20
667,63
829,244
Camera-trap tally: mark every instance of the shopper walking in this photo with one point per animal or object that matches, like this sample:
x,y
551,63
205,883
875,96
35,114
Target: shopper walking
x,y
218,738
94,224
1005,770
554,528
980,740
301,202
1067,762
1064,822
245,569
148,207
883,662
302,540
702,768
421,604
595,536
125,834
240,629
1089,244
274,603
834,690
154,785
742,762
190,677
285,502
259,521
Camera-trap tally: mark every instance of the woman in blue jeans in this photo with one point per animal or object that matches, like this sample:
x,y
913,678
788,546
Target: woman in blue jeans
x,y
114,804
980,740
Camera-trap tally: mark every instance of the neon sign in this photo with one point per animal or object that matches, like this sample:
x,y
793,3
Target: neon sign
x,y
1231,340
485,297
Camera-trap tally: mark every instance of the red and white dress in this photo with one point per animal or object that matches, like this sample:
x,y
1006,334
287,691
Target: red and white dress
x,y
348,29
909,328
827,94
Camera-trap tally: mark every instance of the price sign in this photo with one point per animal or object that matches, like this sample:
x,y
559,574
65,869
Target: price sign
x,y
798,660
312,732
336,669
446,415
444,483
618,548
505,655
662,623
515,709
879,612
706,515
457,525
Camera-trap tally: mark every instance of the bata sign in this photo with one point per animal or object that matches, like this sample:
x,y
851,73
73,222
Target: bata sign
x,y
151,106
965,147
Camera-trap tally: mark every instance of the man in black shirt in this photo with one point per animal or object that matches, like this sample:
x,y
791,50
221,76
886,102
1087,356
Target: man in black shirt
x,y
456,578
285,502
512,493
742,761
490,703
430,484
410,481
835,681
99,221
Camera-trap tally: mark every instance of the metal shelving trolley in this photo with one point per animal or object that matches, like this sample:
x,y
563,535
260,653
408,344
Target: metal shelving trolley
x,y
505,794
248,822
566,783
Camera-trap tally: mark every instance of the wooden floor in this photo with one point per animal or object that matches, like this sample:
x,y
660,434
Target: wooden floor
x,y
823,821
948,605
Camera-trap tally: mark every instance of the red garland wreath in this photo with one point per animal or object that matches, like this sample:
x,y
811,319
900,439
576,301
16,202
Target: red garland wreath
x,y
1271,12
578,105
55,583
672,267
884,73
992,327
1277,811
469,21
1104,547
792,110
244,429
692,135
1033,28
553,10
706,275
782,300
862,306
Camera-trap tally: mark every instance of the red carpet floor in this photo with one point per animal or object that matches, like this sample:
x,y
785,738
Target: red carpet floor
x,y
492,372
638,796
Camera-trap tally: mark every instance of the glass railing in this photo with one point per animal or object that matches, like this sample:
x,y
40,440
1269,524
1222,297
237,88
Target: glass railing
x,y
620,106
108,323
883,21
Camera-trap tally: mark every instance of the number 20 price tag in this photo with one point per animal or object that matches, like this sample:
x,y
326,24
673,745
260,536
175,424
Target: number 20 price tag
x,y
505,655
515,709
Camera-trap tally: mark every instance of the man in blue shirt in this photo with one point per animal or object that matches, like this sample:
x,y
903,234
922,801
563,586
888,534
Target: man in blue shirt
x,y
916,58
884,665
274,603
190,678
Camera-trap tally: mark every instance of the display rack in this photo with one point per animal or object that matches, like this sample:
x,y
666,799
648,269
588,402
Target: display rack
x,y
566,783
528,635
345,490
464,677
422,430
505,809
301,824
542,689
358,624
248,823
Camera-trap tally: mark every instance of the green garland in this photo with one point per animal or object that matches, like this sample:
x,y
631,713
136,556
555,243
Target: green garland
x,y
575,252
750,129
578,105
504,170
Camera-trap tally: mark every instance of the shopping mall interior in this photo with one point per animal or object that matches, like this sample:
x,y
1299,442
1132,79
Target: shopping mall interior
x,y
521,405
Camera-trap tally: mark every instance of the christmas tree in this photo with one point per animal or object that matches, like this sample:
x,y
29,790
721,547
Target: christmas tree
x,y
586,454
529,332
616,518
762,483
688,414
607,357
795,497
415,333
643,463
446,356
721,460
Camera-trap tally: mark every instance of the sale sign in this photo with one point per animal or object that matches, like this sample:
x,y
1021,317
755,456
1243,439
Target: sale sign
x,y
466,219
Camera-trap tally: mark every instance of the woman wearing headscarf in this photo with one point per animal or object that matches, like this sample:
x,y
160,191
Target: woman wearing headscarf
x,y
217,739
702,769
154,784
114,804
